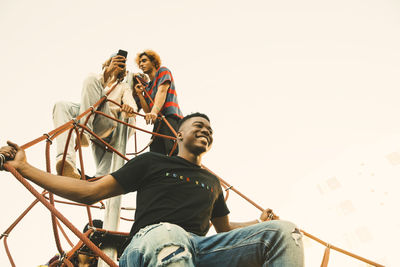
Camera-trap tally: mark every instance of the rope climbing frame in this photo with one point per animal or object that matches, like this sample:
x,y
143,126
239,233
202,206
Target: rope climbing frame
x,y
48,200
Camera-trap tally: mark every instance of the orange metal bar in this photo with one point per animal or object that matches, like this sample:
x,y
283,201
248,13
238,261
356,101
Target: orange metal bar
x,y
85,240
71,125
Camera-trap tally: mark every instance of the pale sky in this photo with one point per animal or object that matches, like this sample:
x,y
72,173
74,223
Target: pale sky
x,y
302,95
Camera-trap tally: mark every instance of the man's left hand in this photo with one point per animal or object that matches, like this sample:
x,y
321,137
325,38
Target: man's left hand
x,y
151,117
268,215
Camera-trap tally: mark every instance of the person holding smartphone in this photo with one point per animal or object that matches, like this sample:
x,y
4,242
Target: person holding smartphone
x,y
160,98
96,86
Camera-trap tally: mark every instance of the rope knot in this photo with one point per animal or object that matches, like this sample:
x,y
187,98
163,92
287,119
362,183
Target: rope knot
x,y
75,122
48,138
271,216
229,188
62,258
93,228
92,109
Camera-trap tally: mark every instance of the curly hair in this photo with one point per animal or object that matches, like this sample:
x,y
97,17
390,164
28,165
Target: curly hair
x,y
153,56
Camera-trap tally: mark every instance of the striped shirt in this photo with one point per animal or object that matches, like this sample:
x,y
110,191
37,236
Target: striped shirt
x,y
171,106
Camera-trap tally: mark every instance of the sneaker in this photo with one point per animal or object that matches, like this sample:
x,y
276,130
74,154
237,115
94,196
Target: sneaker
x,y
84,139
69,169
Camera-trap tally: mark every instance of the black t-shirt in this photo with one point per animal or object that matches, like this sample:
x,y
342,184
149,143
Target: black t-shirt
x,y
174,190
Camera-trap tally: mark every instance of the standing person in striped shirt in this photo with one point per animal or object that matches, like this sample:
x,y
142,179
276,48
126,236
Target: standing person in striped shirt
x,y
163,99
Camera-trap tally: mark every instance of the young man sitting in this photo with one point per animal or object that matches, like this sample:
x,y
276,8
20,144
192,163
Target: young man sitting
x,y
176,201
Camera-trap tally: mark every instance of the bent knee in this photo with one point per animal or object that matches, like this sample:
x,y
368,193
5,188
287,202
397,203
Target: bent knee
x,y
62,106
91,81
169,243
284,225
289,231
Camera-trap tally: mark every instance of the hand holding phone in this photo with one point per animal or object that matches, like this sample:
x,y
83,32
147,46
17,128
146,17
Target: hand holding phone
x,y
117,60
122,53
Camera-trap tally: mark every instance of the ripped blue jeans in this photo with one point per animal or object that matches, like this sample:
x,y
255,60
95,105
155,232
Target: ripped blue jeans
x,y
273,243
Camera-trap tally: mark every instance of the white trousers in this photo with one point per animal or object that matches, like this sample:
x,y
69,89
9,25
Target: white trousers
x,y
64,111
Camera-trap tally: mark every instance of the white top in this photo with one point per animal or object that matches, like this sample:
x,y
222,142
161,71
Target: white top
x,y
122,94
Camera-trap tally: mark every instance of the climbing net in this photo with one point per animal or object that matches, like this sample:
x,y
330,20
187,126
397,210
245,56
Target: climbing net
x,y
89,242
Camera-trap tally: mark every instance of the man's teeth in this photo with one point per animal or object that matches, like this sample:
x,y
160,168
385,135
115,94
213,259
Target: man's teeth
x,y
203,138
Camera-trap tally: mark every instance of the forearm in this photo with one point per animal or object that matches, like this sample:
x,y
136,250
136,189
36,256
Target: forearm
x,y
143,103
66,187
159,100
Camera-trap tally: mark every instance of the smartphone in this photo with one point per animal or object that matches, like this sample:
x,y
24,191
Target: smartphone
x,y
123,53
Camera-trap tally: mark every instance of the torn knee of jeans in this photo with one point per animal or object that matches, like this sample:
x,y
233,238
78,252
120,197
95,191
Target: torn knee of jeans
x,y
171,253
296,235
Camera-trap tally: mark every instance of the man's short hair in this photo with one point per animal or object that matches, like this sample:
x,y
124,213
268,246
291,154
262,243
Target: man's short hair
x,y
196,114
153,56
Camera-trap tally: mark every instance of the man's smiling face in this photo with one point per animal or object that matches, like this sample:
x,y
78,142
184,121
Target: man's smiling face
x,y
196,135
